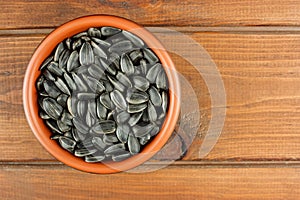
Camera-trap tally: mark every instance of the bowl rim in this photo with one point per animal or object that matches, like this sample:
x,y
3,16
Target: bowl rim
x,y
42,133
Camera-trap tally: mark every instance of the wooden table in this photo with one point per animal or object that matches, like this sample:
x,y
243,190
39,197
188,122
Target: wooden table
x,y
256,47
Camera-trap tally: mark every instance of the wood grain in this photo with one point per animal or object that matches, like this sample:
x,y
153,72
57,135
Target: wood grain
x,y
260,74
175,182
37,14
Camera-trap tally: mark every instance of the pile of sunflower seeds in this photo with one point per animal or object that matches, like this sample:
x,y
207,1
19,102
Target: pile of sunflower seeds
x,y
103,93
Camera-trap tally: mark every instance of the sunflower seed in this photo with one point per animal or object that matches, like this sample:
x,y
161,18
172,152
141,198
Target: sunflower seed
x,y
109,31
114,59
126,65
52,108
122,117
62,86
118,99
68,134
84,152
67,143
76,44
46,63
110,138
73,61
53,68
80,126
96,71
133,38
140,131
135,118
122,132
141,83
143,66
153,72
71,105
135,108
98,51
67,118
135,56
94,32
78,136
62,126
94,158
121,46
86,96
105,100
152,112
62,99
137,97
59,49
80,85
118,85
150,56
109,68
133,144
43,115
124,79
115,149
55,137
53,126
164,99
68,43
63,59
48,75
39,83
145,117
111,114
145,139
100,42
101,110
120,157
104,127
161,80
154,131
89,120
98,143
86,54
71,84
155,96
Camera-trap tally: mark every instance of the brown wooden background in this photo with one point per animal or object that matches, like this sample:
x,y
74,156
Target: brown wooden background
x,y
256,46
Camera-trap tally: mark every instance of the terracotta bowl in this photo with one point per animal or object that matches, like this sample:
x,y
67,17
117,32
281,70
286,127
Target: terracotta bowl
x,y
30,97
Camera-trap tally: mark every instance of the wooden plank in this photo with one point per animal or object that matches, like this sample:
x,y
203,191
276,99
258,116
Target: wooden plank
x,y
29,14
260,73
175,182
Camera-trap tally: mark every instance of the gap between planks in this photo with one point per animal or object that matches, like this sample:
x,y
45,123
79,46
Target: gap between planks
x,y
187,29
198,164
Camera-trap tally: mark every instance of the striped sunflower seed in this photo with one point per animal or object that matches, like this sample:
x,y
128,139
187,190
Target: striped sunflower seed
x,y
155,96
98,143
122,117
98,51
134,39
73,61
126,65
150,56
120,157
137,97
133,144
104,127
118,99
122,132
86,54
67,143
121,46
46,63
109,31
101,110
62,86
94,158
53,68
59,49
84,152
135,118
52,108
140,83
153,72
135,108
94,32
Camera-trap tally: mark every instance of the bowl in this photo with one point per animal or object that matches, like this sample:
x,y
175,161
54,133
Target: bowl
x,y
42,132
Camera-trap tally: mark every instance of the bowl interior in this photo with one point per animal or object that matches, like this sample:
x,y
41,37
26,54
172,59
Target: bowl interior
x,y
42,132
